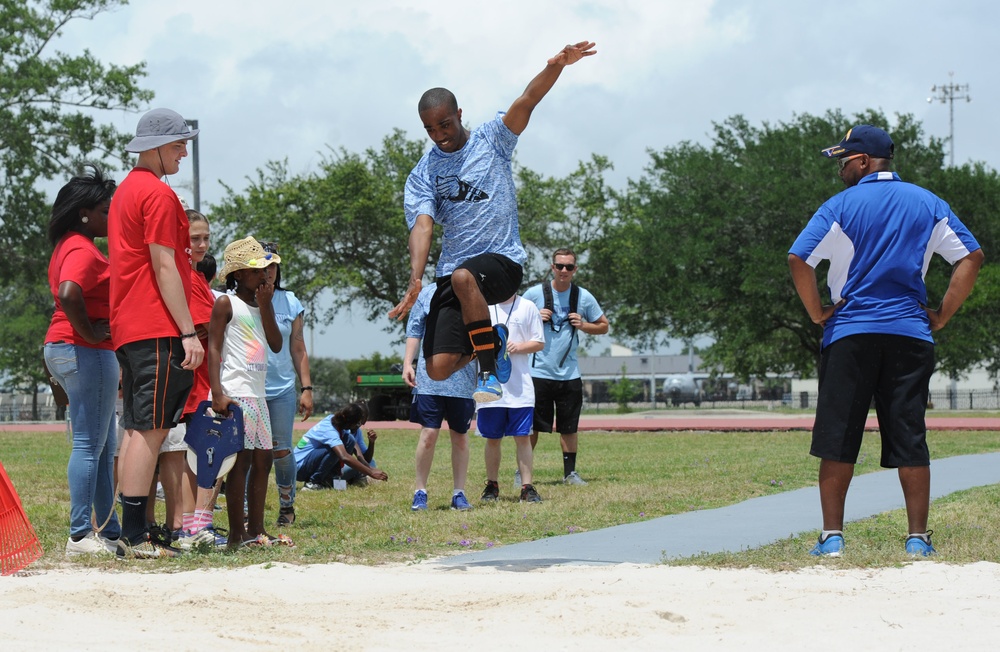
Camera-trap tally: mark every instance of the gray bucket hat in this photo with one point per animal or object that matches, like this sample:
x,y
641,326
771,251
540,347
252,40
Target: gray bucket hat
x,y
157,128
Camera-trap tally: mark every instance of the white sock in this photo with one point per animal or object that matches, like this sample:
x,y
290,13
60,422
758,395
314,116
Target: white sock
x,y
457,491
826,534
925,537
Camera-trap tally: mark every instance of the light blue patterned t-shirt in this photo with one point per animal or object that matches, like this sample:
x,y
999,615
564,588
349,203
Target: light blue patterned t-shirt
x,y
470,193
280,369
460,384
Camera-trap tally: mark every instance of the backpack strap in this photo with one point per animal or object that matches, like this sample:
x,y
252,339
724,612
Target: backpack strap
x,y
549,304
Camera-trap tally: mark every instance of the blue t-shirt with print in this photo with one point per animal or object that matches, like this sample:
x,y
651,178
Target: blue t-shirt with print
x,y
879,237
560,337
470,193
322,435
460,384
280,369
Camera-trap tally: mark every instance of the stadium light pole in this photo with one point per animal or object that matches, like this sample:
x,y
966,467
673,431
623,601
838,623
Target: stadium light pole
x,y
195,169
949,93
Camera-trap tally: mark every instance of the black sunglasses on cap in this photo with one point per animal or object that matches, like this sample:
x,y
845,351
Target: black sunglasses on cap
x,y
270,247
569,267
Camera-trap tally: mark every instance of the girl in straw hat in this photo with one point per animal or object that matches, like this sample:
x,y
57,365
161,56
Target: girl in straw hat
x,y
242,325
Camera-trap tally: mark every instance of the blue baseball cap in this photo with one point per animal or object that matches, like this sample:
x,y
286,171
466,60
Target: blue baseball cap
x,y
863,139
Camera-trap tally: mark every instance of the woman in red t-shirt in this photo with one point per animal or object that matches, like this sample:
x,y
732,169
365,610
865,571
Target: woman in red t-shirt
x,y
79,356
197,504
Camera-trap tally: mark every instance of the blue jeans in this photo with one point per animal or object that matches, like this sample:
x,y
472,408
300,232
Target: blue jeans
x,y
321,466
282,409
90,378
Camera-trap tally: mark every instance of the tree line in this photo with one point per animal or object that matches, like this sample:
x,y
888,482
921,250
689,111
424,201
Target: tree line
x,y
696,246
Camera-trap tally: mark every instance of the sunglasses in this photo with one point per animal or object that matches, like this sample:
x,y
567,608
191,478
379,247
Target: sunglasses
x,y
270,247
560,266
842,162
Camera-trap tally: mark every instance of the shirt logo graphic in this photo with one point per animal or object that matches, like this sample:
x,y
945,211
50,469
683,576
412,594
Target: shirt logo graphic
x,y
454,189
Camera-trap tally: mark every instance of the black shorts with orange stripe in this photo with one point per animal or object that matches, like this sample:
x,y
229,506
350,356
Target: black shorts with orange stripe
x,y
154,386
498,278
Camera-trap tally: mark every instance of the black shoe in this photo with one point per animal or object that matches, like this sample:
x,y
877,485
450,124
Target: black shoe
x,y
286,516
529,495
161,534
491,493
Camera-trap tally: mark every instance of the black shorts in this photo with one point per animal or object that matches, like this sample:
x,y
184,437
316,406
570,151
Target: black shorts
x,y
154,386
558,401
498,277
430,411
893,370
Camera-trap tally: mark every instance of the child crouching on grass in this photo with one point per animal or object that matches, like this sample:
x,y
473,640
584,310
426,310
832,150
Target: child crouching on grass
x,y
242,325
322,454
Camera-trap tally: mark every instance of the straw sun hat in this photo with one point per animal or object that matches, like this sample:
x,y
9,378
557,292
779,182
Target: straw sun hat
x,y
246,254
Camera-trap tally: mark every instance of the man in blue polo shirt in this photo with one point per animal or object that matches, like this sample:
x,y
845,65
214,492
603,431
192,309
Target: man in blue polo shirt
x,y
879,235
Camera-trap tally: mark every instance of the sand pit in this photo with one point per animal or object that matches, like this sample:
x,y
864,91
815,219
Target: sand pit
x,y
426,606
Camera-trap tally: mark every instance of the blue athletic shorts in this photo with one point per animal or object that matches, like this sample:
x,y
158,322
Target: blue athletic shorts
x,y
430,411
500,422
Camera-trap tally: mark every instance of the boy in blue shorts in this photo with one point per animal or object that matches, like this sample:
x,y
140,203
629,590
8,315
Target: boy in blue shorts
x,y
513,414
435,401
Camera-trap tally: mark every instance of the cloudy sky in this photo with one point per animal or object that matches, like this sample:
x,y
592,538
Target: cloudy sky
x,y
270,81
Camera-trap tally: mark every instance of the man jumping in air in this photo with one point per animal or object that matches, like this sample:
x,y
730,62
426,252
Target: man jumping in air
x,y
465,183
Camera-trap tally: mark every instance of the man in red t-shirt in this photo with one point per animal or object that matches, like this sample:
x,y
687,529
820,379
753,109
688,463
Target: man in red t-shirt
x,y
151,325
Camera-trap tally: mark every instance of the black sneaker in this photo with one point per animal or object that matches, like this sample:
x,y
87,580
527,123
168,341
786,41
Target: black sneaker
x,y
491,493
529,495
160,534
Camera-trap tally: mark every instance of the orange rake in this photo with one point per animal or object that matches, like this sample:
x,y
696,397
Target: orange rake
x,y
18,544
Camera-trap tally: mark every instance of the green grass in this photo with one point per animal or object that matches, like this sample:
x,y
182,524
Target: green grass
x,y
633,477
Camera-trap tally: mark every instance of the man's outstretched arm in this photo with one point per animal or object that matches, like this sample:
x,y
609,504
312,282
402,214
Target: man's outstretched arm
x,y
420,247
519,112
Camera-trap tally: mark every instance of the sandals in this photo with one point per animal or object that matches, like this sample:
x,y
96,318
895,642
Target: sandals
x,y
286,516
257,542
280,540
267,541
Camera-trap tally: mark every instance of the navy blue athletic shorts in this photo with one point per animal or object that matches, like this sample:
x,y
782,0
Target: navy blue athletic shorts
x,y
430,411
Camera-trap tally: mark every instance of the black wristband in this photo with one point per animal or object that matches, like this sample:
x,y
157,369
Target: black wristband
x,y
305,388
185,336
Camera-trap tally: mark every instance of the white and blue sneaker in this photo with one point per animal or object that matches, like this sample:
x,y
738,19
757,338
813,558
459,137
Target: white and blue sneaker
x,y
460,502
920,546
487,388
208,538
419,501
503,358
831,546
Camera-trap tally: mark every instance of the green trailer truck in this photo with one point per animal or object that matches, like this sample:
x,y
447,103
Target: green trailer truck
x,y
387,395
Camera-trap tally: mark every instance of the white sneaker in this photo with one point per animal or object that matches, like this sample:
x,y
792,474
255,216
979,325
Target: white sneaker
x,y
88,545
574,478
517,479
110,544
